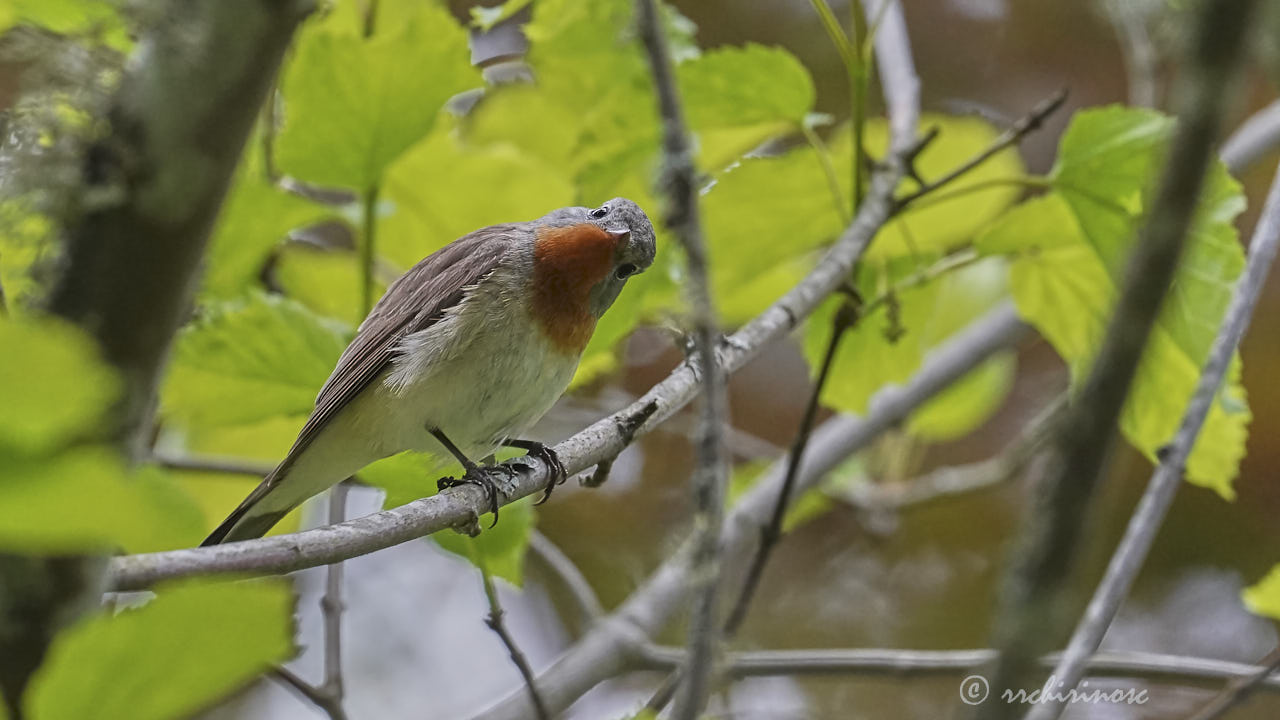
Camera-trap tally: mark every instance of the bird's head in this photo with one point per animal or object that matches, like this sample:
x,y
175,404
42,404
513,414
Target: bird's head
x,y
595,249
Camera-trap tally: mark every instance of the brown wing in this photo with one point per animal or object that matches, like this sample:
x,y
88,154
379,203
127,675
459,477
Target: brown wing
x,y
412,303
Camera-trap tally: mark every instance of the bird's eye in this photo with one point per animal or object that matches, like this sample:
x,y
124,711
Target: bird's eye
x,y
625,270
600,212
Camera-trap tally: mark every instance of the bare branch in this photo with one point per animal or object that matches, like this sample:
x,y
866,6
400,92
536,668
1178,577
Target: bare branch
x,y
901,85
495,623
1163,486
328,694
1255,137
228,466
1020,129
1239,688
680,185
909,663
610,646
570,576
1032,597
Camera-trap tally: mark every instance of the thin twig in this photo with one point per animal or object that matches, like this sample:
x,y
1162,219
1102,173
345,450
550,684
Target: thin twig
x,y
1163,486
495,623
679,184
368,248
570,576
844,319
1238,689
331,605
947,482
608,648
1130,21
1179,669
1032,597
226,466
328,695
1026,124
310,693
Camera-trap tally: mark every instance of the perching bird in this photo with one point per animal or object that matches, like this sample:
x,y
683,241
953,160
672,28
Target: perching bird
x,y
462,354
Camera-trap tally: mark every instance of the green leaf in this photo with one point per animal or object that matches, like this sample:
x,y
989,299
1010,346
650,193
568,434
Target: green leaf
x,y
326,281
502,547
749,85
956,411
870,357
256,217
483,186
54,386
1062,286
251,360
353,105
1263,598
197,641
83,500
406,477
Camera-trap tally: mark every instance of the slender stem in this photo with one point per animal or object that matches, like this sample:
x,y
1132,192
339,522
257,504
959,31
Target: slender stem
x,y
316,696
1030,182
331,605
1031,603
1255,137
844,319
829,170
368,246
1027,124
858,61
1163,486
210,465
570,576
680,186
834,31
495,623
1238,689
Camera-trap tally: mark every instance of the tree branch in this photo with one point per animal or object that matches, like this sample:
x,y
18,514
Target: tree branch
x,y
1239,688
680,185
1163,486
1255,137
610,646
601,441
589,608
1020,129
495,623
909,663
1031,601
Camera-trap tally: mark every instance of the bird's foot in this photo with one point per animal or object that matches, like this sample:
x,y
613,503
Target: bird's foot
x,y
552,461
483,477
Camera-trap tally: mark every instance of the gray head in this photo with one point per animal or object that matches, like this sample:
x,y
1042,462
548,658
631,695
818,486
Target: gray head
x,y
634,249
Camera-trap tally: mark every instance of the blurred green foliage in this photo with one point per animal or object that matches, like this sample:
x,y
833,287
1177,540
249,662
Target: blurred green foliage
x,y
368,118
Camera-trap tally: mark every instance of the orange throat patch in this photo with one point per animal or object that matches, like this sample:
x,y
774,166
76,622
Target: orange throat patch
x,y
567,263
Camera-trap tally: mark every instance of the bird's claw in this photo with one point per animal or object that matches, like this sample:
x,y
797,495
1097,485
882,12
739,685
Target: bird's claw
x,y
552,461
479,476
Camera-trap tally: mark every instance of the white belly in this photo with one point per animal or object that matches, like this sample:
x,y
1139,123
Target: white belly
x,y
483,373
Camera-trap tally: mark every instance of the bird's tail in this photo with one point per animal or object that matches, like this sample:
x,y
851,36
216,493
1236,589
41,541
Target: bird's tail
x,y
248,521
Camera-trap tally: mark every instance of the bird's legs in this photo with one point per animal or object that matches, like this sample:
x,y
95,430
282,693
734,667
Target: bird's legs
x,y
546,455
474,475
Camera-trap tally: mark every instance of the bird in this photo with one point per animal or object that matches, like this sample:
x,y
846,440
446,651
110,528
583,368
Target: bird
x,y
461,355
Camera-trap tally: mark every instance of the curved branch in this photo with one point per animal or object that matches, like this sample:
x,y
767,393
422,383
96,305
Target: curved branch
x,y
600,442
1255,137
611,646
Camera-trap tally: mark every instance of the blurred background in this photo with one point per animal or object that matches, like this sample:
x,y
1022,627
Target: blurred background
x,y
416,645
